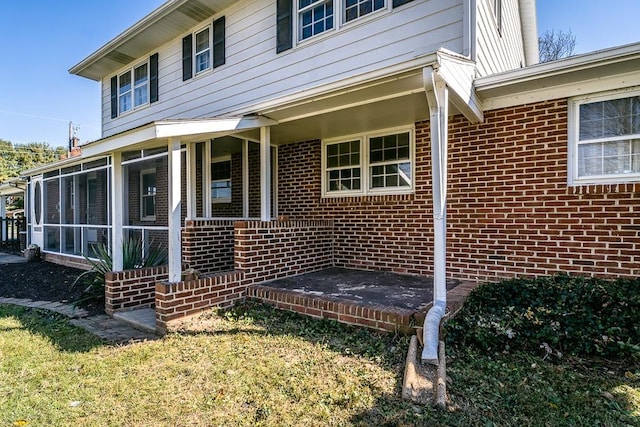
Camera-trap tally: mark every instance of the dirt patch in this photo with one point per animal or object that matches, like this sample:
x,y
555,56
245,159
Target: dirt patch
x,y
43,281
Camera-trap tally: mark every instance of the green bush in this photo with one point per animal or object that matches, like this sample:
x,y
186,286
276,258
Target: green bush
x,y
556,315
101,262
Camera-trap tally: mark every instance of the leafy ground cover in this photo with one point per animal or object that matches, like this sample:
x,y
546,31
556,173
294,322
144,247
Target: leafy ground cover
x,y
257,366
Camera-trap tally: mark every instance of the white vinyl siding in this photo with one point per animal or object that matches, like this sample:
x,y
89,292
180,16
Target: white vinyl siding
x,y
255,73
604,145
499,43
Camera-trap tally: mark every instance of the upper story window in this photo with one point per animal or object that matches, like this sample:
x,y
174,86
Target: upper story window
x,y
300,20
315,17
380,163
354,9
605,140
135,87
204,49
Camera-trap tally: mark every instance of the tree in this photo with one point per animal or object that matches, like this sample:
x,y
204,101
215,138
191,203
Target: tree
x,y
555,45
15,158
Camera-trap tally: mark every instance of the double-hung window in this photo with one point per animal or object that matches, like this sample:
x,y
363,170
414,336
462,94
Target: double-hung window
x,y
605,143
221,181
380,163
148,194
314,17
133,88
354,9
202,51
318,16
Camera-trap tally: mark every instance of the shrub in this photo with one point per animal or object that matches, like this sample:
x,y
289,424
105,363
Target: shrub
x,y
560,314
102,263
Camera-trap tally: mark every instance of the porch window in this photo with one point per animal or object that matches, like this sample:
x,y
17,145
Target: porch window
x,y
380,163
390,161
606,141
133,88
343,166
221,181
148,195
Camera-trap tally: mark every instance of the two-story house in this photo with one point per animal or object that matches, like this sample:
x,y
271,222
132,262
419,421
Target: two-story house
x,y
260,139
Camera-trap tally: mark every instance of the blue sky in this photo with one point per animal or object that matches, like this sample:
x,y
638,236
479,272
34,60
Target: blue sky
x,y
39,42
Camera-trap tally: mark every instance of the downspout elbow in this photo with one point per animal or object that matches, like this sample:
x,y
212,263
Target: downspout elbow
x,y
431,331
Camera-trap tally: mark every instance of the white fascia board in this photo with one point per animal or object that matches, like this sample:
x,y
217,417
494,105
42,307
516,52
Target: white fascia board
x,y
597,71
458,73
176,129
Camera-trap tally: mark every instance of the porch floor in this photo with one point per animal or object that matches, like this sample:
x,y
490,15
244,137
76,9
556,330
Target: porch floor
x,y
380,300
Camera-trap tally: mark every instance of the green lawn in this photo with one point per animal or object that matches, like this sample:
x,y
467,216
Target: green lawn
x,y
257,366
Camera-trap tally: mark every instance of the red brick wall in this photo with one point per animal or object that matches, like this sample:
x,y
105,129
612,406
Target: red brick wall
x,y
274,249
132,288
262,251
207,245
510,210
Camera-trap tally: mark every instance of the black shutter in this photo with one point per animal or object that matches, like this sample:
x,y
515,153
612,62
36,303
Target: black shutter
x,y
218,42
153,78
114,97
397,3
187,57
284,25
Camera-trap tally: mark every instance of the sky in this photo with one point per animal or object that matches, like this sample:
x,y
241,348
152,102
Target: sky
x,y
40,40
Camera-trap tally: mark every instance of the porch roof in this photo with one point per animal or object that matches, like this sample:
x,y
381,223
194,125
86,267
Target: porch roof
x,y
12,187
184,129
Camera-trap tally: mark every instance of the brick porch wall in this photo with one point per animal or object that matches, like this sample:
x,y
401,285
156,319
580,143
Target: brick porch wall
x,y
510,210
262,251
125,290
207,245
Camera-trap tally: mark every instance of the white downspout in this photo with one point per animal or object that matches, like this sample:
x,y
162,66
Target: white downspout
x,y
437,96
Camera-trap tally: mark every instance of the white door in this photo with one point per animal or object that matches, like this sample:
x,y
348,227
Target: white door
x,y
36,207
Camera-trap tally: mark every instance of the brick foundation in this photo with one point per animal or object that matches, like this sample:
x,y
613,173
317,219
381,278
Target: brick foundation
x,y
69,261
385,318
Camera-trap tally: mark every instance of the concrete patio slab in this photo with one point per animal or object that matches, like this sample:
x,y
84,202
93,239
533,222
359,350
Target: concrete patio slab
x,y
143,319
6,258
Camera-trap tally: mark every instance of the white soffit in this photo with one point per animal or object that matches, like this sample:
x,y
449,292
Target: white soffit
x,y
603,70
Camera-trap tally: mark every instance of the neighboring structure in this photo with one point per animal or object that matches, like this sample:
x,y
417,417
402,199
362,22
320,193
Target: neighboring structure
x,y
259,139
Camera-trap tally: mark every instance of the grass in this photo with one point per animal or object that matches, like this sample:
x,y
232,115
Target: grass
x,y
256,366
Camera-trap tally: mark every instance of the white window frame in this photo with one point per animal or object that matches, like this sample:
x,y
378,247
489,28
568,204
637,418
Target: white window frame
x,y
144,172
365,163
208,50
574,140
133,105
339,18
220,200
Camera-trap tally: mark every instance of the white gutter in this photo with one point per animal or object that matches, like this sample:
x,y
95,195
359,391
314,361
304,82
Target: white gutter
x,y
438,98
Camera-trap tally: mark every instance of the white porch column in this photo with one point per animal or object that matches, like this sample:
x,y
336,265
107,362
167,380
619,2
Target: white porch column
x,y
175,202
438,97
191,181
117,192
265,173
245,178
